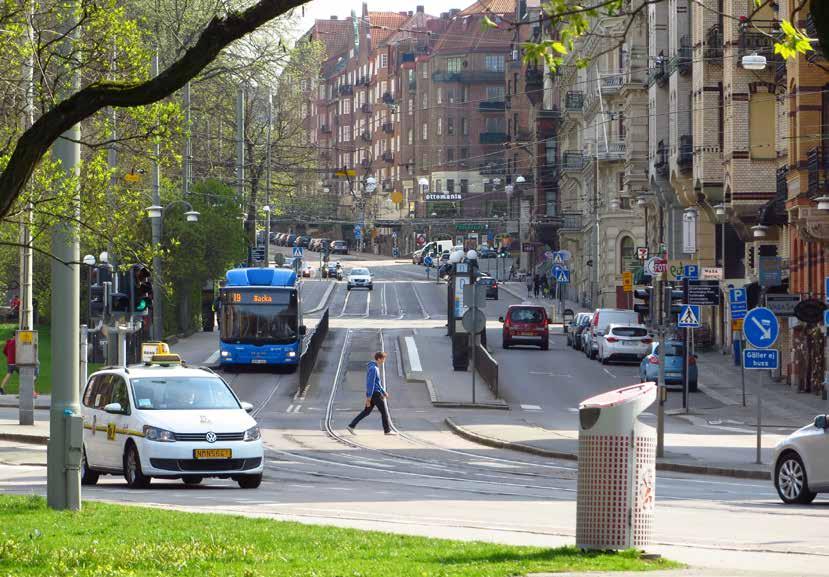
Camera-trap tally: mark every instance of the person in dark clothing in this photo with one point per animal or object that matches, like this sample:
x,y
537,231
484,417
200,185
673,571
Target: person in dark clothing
x,y
376,395
536,285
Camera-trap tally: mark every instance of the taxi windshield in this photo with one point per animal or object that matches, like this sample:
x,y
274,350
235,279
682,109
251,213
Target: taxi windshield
x,y
182,394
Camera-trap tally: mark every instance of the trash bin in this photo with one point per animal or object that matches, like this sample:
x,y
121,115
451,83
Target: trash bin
x,y
617,470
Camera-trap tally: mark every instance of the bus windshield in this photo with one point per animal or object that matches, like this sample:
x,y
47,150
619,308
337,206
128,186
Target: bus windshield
x,y
263,316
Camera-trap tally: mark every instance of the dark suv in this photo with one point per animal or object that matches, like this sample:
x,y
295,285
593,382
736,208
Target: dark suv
x,y
491,286
339,247
526,325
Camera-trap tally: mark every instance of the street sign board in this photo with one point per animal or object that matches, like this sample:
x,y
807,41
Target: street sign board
x,y
297,251
704,292
737,324
563,276
737,295
826,317
711,273
556,270
655,265
557,258
427,261
761,328
769,271
688,317
738,313
642,253
761,359
627,281
782,305
527,247
691,271
474,320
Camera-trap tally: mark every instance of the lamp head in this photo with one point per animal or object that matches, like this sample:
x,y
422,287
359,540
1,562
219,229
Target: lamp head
x,y
520,180
89,260
154,211
192,216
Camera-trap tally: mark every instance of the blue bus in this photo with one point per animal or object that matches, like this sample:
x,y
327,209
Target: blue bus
x,y
260,318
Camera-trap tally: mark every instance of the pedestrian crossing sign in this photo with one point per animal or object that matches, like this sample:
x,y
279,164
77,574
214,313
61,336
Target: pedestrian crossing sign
x,y
688,317
563,276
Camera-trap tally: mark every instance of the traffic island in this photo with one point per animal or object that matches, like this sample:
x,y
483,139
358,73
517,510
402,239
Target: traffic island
x,y
105,539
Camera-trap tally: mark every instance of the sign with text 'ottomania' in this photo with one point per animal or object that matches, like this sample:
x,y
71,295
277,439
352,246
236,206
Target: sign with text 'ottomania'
x,y
444,197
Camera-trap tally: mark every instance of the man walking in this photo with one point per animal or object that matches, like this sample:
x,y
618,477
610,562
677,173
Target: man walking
x,y
376,395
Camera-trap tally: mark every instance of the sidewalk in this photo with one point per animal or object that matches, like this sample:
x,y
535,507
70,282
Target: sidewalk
x,y
37,434
427,357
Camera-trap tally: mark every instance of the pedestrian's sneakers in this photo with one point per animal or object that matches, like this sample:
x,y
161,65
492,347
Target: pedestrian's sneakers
x,y
391,433
351,430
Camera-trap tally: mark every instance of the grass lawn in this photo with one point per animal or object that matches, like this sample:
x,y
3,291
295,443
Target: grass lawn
x,y
107,540
43,384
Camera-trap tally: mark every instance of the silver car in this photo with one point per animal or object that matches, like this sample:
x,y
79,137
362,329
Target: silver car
x,y
801,463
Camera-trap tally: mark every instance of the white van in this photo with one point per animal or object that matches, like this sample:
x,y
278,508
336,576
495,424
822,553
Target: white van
x,y
436,248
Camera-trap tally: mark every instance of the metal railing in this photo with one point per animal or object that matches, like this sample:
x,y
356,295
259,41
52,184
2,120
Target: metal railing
x,y
614,150
311,348
572,160
714,44
487,367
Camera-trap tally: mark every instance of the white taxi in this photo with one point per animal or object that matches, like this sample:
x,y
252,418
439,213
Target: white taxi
x,y
165,420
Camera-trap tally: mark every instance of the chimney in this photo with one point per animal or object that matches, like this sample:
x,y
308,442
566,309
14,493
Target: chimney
x,y
333,17
420,8
410,13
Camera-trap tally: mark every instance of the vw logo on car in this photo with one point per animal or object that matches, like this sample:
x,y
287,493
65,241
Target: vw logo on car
x,y
210,437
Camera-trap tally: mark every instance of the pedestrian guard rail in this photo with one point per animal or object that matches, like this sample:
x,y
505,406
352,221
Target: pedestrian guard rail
x,y
311,346
487,367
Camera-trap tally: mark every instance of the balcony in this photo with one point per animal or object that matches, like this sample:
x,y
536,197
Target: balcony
x,y
570,221
572,161
574,101
685,156
388,157
714,45
388,128
817,161
446,76
346,90
613,151
325,129
613,83
684,56
545,114
493,138
491,106
388,98
756,42
658,74
366,108
366,136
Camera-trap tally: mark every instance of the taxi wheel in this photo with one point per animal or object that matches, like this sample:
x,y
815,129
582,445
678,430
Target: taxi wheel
x,y
88,476
249,481
192,479
135,478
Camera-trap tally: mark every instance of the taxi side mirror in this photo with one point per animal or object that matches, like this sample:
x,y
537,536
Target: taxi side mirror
x,y
500,319
821,422
247,407
114,408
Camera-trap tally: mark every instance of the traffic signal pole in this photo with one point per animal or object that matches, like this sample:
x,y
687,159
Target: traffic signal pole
x,y
158,318
63,487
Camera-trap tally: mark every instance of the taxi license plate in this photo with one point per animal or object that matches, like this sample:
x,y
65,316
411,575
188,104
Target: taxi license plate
x,y
212,453
526,334
258,361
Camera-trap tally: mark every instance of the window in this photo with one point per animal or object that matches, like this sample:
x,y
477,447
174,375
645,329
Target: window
x,y
464,126
119,394
494,62
438,186
425,131
440,95
346,133
626,252
411,136
464,153
450,95
464,186
440,127
496,124
182,394
384,60
411,106
303,84
424,101
761,126
453,65
450,185
450,126
424,71
347,106
450,154
495,93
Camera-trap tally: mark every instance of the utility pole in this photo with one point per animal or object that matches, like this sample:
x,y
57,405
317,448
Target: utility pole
x,y
155,223
63,488
268,180
240,159
112,162
184,310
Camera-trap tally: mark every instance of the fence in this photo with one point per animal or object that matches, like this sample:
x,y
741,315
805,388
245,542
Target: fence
x,y
311,348
487,367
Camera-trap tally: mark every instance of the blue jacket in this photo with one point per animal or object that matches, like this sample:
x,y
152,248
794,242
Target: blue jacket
x,y
373,382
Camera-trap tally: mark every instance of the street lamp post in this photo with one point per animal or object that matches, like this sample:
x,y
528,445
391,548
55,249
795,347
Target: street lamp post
x,y
156,213
369,186
267,210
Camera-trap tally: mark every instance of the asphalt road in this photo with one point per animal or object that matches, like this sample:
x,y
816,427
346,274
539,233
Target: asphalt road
x,y
427,481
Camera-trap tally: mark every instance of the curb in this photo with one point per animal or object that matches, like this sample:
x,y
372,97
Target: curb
x,y
324,300
660,465
25,438
17,406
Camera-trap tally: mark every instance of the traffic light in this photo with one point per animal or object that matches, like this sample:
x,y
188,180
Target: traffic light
x,y
140,289
643,308
98,276
674,298
119,298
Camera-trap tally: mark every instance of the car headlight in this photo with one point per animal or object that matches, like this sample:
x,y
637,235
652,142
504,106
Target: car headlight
x,y
225,353
253,434
159,435
291,353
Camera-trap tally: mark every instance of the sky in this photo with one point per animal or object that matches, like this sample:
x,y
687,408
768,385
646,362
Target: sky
x,y
321,9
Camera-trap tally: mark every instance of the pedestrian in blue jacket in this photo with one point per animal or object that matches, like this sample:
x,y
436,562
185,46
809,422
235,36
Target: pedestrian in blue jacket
x,y
376,395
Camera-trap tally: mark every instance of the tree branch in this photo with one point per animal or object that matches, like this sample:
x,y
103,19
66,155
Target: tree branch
x,y
218,34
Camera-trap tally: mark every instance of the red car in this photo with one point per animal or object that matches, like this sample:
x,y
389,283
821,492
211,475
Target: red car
x,y
526,325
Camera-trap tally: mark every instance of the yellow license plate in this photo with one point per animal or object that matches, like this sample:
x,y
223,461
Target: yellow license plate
x,y
212,453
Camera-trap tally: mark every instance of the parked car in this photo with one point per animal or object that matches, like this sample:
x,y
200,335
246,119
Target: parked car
x,y
491,286
290,240
280,238
313,245
573,329
525,325
674,351
359,278
486,252
307,271
417,256
598,324
302,241
339,247
800,464
624,343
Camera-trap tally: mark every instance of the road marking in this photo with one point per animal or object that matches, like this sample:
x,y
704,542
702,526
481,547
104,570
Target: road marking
x,y
368,302
345,302
400,309
384,307
290,408
530,407
542,373
212,358
609,373
414,357
420,303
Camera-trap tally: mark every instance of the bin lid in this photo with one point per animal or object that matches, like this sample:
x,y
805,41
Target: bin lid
x,y
619,396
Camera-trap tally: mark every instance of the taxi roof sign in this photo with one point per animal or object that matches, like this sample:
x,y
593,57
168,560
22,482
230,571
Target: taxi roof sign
x,y
150,349
165,359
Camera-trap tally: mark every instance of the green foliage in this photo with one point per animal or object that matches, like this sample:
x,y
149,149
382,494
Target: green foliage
x,y
109,540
